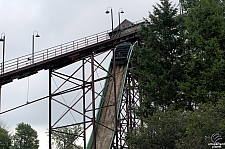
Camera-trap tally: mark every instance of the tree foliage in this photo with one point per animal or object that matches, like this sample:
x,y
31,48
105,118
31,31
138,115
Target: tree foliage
x,y
204,55
181,69
161,130
158,64
201,124
66,137
187,4
182,64
5,138
178,129
25,137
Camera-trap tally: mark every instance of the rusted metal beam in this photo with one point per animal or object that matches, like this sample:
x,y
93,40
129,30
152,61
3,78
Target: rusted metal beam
x,y
50,109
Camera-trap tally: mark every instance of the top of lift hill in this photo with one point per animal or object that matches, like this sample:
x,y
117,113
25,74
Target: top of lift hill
x,y
67,53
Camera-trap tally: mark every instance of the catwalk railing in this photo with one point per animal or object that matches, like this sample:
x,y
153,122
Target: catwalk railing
x,y
52,52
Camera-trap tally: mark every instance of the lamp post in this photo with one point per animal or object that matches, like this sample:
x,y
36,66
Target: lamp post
x,y
119,12
107,12
3,50
33,44
3,55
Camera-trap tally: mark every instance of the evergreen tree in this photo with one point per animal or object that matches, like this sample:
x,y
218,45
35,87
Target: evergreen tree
x,y
5,139
195,76
187,4
204,65
161,131
158,64
178,129
25,137
201,124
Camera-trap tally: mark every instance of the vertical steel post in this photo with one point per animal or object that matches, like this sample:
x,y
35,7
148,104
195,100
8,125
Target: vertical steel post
x,y
50,110
33,44
3,59
133,102
3,53
115,99
121,127
140,98
129,105
33,49
84,111
93,101
127,110
119,20
112,18
0,98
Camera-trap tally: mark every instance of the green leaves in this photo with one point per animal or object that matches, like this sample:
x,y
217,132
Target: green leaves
x,y
159,130
174,128
65,137
204,59
201,124
5,139
25,137
181,69
158,62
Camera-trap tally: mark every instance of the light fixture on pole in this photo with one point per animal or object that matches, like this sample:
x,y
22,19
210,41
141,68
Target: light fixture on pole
x,y
119,12
3,55
33,44
3,50
107,12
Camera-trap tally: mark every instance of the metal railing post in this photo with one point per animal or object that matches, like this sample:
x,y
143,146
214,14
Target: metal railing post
x,y
17,63
47,53
61,49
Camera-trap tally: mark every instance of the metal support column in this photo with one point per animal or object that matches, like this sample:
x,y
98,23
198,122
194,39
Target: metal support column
x,y
115,99
32,48
127,109
84,111
50,106
93,100
0,98
3,57
130,104
133,102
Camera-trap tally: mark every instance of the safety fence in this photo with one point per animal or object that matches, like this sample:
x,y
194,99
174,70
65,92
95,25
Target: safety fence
x,y
32,59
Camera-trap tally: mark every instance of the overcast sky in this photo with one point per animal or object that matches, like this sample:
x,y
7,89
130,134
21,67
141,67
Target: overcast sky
x,y
57,22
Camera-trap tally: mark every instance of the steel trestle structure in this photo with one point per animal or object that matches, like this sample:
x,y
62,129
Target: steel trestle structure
x,y
122,102
102,99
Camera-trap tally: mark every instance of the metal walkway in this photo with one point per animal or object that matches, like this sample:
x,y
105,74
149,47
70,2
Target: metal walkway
x,y
114,116
64,54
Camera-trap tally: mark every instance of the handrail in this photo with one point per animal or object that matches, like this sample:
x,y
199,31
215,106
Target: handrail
x,y
58,50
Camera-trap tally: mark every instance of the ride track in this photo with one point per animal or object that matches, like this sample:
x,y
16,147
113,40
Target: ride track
x,y
117,84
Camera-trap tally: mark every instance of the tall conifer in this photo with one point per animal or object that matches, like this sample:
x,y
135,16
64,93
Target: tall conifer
x,y
158,64
204,56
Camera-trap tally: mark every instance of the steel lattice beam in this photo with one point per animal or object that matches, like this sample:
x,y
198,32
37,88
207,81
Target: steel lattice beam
x,y
124,118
